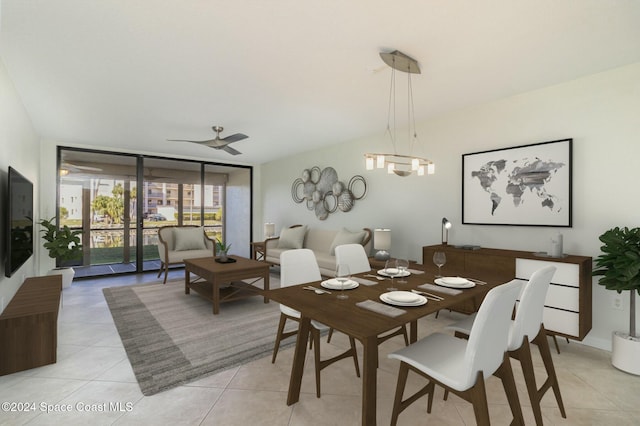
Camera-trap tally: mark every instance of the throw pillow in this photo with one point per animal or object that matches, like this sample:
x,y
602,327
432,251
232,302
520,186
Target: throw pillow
x,y
292,238
189,239
344,236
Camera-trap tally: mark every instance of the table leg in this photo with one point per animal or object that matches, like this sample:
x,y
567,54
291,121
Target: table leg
x,y
187,275
413,331
295,381
369,380
266,286
215,296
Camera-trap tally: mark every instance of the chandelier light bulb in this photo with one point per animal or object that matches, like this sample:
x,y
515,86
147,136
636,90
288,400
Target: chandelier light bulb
x,y
369,163
380,161
415,164
431,169
421,171
390,168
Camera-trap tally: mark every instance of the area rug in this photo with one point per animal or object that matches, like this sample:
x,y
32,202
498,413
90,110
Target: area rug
x,y
172,338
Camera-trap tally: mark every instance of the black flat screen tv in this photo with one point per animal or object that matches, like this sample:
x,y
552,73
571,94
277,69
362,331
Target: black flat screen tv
x,y
19,230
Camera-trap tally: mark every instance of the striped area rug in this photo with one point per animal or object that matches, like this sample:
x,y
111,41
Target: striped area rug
x,y
172,338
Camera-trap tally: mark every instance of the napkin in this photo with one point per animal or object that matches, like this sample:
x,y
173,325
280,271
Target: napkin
x,y
380,308
440,289
364,281
415,271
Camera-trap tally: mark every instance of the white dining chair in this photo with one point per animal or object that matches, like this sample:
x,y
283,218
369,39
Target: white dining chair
x,y
299,266
355,256
460,365
526,328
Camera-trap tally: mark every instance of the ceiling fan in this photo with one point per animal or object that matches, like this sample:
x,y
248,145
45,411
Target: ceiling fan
x,y
218,142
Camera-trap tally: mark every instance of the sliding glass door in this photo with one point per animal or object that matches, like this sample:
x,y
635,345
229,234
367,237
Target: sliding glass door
x,y
119,201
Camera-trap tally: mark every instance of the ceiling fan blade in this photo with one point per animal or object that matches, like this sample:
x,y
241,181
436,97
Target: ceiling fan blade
x,y
186,140
235,137
230,150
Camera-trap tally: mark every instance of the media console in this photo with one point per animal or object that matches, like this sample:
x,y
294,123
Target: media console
x,y
29,325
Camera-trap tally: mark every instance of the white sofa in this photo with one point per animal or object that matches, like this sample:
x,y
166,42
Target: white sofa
x,y
321,241
177,243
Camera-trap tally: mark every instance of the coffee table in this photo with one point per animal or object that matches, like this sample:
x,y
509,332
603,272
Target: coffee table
x,y
211,275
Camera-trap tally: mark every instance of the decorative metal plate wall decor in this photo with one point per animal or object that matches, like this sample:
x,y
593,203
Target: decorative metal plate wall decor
x,y
525,185
324,193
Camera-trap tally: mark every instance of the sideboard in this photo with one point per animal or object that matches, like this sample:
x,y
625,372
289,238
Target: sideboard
x,y
567,310
29,325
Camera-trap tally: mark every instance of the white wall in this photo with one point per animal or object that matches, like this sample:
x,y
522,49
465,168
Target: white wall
x,y
600,112
237,228
18,143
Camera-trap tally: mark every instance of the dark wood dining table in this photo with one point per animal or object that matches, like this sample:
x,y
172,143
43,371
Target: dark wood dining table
x,y
363,324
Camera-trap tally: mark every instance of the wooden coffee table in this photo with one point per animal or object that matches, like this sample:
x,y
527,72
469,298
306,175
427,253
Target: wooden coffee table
x,y
211,275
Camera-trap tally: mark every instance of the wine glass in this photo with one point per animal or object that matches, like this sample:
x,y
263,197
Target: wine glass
x,y
439,258
403,265
343,274
391,269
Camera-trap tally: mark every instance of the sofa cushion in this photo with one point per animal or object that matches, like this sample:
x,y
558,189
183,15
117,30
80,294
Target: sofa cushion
x,y
292,237
189,239
344,236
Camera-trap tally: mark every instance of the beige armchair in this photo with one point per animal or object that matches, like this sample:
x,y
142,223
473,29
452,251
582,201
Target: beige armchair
x,y
177,243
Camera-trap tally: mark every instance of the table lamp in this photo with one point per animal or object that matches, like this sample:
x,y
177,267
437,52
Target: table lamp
x,y
382,243
269,230
446,225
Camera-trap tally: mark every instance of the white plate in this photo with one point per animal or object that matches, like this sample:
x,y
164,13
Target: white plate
x,y
454,280
385,274
421,301
334,284
403,296
465,284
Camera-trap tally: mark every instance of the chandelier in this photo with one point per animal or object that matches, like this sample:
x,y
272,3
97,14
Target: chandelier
x,y
395,163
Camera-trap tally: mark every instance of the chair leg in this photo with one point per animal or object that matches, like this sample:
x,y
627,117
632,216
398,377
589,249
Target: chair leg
x,y
398,404
555,342
329,336
505,373
524,355
283,320
552,379
352,341
166,272
477,395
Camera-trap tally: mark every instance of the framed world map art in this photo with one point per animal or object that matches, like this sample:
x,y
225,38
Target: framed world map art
x,y
528,185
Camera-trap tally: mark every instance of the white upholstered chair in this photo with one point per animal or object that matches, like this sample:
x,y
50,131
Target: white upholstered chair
x,y
460,365
299,266
177,243
355,256
526,328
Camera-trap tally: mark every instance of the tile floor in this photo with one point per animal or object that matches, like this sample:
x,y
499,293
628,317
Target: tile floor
x,y
93,377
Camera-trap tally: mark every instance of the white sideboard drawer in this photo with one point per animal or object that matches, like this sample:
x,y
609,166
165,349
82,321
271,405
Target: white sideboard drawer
x,y
567,298
566,273
561,321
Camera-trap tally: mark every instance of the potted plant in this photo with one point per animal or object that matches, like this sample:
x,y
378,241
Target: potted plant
x,y
64,245
222,249
619,267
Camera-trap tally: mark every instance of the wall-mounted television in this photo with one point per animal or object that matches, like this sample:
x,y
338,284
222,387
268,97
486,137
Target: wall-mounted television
x,y
19,230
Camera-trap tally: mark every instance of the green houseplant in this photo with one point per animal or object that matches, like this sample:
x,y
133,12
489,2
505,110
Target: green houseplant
x,y
619,269
222,249
64,245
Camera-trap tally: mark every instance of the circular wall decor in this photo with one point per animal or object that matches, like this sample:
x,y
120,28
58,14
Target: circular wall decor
x,y
324,193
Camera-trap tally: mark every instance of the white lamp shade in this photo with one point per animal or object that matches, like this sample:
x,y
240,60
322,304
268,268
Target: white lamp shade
x,y
382,239
269,230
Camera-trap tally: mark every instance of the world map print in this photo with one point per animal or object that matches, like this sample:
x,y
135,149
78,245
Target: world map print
x,y
519,181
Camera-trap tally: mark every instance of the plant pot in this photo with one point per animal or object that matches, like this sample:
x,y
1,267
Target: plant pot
x,y
67,275
625,353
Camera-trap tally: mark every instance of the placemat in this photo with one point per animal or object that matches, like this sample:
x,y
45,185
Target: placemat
x,y
439,288
381,308
364,281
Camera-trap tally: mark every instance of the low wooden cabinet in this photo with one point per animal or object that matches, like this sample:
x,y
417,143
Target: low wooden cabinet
x,y
567,310
29,325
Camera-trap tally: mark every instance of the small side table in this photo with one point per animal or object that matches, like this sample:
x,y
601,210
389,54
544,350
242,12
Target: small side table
x,y
258,250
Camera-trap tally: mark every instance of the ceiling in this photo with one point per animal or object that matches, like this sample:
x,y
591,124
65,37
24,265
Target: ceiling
x,y
293,75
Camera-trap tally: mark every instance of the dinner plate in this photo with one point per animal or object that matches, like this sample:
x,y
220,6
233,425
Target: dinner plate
x,y
418,302
403,296
384,273
334,284
454,284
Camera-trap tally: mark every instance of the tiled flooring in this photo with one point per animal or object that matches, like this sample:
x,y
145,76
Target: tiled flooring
x,y
93,368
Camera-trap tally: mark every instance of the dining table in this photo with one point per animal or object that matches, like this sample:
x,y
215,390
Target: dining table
x,y
364,316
